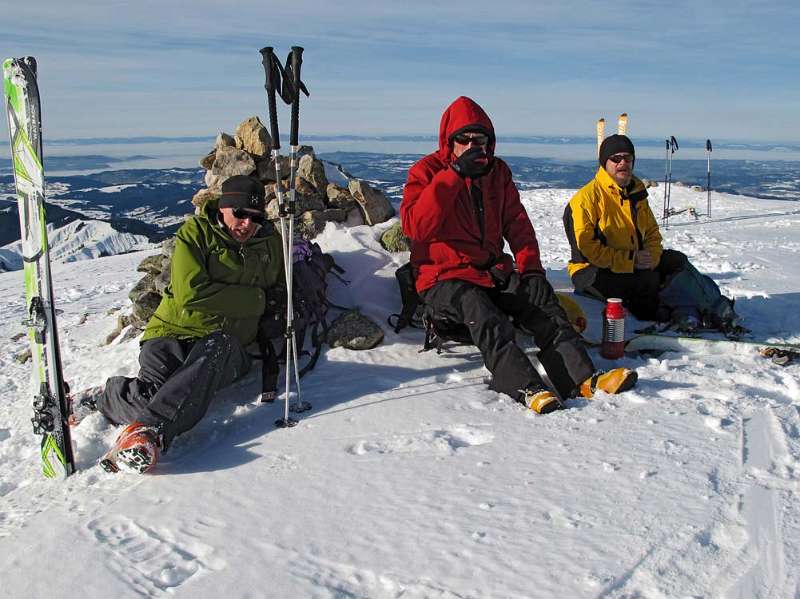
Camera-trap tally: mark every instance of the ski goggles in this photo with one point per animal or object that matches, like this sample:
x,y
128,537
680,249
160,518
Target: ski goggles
x,y
480,139
617,158
243,214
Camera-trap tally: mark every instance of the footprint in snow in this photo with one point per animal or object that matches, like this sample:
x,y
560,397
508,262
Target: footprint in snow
x,y
442,441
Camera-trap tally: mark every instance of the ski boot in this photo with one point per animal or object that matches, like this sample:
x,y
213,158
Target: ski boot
x,y
612,381
541,401
83,403
135,450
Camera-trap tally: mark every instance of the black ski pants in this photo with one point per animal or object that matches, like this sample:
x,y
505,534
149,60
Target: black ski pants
x,y
177,380
485,313
637,290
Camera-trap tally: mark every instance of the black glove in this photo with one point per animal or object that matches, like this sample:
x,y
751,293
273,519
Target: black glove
x,y
540,292
469,164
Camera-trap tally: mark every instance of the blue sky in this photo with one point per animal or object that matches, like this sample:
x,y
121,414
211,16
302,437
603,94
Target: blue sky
x,y
723,70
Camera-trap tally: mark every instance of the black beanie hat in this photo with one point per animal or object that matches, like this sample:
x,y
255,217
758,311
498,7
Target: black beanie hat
x,y
241,191
615,144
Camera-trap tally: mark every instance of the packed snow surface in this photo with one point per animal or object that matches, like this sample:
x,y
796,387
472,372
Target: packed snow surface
x,y
409,478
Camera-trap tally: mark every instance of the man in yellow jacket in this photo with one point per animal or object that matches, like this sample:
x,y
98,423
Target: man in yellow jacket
x,y
614,236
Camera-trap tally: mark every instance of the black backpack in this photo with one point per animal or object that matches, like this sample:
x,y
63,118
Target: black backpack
x,y
415,313
310,306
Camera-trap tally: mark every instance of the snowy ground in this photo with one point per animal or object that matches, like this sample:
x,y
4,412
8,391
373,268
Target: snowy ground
x,y
409,478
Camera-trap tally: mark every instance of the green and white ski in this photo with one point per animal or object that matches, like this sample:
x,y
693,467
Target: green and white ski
x,y
23,109
780,353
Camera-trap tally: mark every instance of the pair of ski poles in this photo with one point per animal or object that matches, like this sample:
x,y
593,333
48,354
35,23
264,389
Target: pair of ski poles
x,y
672,147
285,80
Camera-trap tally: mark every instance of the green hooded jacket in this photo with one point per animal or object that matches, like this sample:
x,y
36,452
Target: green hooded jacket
x,y
217,283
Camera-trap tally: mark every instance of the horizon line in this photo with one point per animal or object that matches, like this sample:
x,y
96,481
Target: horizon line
x,y
390,137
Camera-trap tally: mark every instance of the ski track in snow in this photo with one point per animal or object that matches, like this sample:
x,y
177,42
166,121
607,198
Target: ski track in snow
x,y
409,478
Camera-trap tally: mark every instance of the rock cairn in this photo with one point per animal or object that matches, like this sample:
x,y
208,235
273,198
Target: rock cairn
x,y
318,202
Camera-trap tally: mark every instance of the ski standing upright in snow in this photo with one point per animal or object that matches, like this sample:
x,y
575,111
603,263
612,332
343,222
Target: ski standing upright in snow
x,y
23,110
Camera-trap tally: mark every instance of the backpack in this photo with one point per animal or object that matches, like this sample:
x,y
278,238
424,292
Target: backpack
x,y
692,295
310,304
411,312
416,314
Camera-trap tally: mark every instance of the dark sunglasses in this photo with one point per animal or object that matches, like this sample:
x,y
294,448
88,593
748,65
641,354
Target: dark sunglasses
x,y
465,139
617,158
243,214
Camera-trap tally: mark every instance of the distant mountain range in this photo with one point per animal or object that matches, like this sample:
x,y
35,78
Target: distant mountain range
x,y
144,202
152,203
78,240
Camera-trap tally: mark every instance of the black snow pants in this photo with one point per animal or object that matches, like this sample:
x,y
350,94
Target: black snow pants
x,y
177,380
485,313
637,290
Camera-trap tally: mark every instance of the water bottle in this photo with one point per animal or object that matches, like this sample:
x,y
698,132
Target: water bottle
x,y
613,344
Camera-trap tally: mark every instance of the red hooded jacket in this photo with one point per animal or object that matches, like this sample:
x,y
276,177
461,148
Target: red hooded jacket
x,y
439,216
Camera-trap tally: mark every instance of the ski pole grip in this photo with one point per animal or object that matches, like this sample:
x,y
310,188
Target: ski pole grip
x,y
297,61
708,145
674,142
268,60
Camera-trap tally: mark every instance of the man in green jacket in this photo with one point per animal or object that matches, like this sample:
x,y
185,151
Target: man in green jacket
x,y
226,269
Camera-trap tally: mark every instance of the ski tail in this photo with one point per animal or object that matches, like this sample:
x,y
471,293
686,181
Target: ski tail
x,y
601,134
622,124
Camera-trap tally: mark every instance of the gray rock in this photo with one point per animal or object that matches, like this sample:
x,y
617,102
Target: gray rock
x,y
161,281
355,217
123,321
146,284
144,308
232,161
393,239
339,197
335,215
313,171
311,223
254,136
202,196
353,330
168,247
213,182
151,264
272,209
207,161
23,356
374,205
305,188
224,140
265,169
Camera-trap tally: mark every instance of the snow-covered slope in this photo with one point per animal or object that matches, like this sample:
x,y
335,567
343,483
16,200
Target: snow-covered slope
x,y
411,479
78,240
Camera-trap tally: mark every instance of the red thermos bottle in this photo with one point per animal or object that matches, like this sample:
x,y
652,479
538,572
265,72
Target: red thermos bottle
x,y
613,344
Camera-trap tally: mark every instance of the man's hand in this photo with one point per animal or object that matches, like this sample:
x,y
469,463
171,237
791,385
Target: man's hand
x,y
642,260
539,290
473,163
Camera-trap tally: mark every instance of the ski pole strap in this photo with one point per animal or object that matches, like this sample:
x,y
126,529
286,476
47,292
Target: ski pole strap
x,y
272,71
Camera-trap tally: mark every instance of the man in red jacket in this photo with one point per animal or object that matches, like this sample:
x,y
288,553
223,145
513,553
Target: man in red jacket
x,y
459,205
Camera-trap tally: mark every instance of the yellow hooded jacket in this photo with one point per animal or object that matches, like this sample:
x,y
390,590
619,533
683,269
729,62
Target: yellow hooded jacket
x,y
606,225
